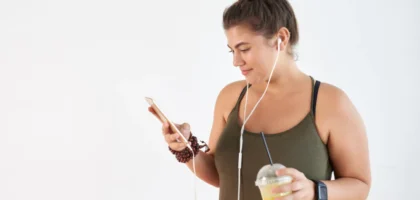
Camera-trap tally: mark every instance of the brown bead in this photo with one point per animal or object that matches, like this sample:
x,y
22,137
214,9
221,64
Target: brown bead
x,y
185,155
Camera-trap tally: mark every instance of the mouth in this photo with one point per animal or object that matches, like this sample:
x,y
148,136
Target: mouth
x,y
245,71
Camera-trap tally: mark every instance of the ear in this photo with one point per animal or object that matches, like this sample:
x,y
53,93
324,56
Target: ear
x,y
284,35
279,43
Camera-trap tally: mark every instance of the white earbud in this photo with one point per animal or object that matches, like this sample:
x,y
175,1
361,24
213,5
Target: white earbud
x,y
279,41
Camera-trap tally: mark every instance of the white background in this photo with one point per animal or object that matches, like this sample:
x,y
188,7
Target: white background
x,y
73,76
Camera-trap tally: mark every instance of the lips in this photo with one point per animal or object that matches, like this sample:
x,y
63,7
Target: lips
x,y
245,71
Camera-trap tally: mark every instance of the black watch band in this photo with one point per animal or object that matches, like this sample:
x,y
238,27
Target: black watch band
x,y
321,192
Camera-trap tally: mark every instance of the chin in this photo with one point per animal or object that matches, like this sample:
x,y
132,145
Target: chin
x,y
253,80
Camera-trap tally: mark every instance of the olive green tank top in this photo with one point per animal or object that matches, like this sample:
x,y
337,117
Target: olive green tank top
x,y
299,147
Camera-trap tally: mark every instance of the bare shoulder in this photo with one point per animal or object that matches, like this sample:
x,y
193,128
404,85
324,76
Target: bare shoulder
x,y
332,95
232,87
228,96
332,99
335,108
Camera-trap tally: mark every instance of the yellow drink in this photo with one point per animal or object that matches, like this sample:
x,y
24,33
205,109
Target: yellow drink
x,y
267,180
267,192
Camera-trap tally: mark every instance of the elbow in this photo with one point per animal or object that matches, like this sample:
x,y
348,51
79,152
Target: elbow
x,y
211,179
216,185
365,186
214,182
367,190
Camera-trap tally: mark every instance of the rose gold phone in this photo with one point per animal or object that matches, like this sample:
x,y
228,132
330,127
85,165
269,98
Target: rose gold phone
x,y
162,117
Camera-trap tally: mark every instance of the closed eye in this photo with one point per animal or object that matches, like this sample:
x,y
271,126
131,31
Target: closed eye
x,y
245,50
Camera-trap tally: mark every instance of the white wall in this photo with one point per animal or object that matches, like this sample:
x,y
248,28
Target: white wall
x,y
73,74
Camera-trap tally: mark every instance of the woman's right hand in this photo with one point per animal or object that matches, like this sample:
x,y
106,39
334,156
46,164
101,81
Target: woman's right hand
x,y
174,140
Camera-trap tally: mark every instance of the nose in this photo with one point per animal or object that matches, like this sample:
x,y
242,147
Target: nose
x,y
237,60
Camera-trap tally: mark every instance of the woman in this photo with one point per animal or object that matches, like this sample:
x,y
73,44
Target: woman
x,y
312,128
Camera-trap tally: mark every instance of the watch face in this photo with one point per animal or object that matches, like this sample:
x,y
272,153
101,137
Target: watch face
x,y
323,194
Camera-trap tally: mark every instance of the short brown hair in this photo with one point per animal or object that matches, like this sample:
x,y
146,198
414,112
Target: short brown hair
x,y
265,17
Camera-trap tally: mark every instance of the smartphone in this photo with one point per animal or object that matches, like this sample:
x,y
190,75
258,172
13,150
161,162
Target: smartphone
x,y
162,117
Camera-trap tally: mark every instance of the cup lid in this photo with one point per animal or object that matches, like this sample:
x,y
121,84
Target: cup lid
x,y
267,175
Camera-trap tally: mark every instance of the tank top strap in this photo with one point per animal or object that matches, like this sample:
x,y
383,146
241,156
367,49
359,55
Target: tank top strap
x,y
314,95
241,96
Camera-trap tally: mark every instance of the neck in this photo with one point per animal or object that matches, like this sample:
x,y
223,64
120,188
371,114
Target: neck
x,y
284,79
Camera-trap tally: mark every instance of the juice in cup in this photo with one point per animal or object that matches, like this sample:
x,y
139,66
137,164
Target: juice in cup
x,y
267,180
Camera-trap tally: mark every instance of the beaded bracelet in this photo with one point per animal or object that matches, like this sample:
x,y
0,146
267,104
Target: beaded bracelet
x,y
185,155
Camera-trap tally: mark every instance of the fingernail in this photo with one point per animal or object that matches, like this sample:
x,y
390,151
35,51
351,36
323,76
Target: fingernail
x,y
279,172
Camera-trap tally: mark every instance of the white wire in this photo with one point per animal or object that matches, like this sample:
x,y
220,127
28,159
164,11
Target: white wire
x,y
193,158
247,118
240,145
195,177
195,173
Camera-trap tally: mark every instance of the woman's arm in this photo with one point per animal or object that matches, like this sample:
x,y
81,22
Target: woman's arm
x,y
347,145
341,128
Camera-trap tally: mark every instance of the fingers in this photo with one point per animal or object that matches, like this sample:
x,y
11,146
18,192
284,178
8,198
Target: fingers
x,y
185,126
294,173
294,186
169,138
167,129
283,188
288,197
151,110
175,142
299,186
177,146
299,195
185,130
173,139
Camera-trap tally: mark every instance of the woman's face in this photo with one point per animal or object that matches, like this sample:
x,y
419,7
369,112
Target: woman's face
x,y
252,53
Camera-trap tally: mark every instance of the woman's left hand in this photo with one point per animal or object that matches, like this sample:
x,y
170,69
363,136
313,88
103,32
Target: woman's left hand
x,y
301,187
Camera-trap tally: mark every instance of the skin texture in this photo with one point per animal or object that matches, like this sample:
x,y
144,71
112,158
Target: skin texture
x,y
285,104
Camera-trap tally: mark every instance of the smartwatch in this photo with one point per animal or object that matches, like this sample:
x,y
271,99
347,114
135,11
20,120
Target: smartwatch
x,y
321,192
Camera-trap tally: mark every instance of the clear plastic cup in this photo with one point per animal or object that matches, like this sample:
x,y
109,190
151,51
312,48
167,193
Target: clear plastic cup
x,y
267,180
